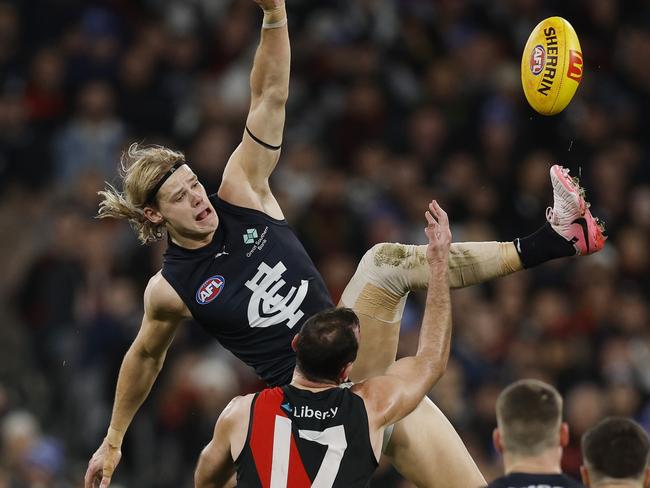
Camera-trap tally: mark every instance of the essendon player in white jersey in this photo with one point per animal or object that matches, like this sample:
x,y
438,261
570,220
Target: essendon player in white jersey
x,y
315,433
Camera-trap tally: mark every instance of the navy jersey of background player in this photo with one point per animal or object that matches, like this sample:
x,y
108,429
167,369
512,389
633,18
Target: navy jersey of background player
x,y
252,288
526,480
300,438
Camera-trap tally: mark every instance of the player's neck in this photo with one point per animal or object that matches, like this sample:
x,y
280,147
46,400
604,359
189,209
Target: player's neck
x,y
191,242
548,462
617,484
299,381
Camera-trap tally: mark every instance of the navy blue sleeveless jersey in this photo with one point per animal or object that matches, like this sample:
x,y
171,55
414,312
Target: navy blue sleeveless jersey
x,y
527,480
252,288
300,439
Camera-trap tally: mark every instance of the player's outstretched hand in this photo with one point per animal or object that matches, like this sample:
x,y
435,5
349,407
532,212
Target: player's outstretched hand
x,y
439,234
101,466
269,4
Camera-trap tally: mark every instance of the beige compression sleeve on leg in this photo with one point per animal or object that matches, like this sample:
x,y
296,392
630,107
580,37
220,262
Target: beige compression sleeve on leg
x,y
387,272
377,292
471,263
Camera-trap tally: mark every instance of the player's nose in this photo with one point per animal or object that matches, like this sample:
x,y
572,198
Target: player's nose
x,y
197,198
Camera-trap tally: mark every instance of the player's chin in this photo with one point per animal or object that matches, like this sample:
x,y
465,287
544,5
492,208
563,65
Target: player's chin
x,y
208,223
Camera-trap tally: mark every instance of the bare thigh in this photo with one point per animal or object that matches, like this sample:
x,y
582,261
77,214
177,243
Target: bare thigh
x,y
377,347
426,449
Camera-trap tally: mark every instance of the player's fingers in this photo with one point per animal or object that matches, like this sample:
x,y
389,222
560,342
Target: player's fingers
x,y
440,214
432,229
106,481
430,219
434,211
90,475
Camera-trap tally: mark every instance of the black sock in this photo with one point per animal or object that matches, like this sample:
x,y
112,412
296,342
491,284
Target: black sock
x,y
543,245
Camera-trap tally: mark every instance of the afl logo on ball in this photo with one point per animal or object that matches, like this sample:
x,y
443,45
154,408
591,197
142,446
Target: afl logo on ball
x,y
210,289
537,59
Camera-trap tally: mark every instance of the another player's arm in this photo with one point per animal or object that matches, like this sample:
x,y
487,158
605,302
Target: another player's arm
x,y
246,176
216,468
163,312
395,394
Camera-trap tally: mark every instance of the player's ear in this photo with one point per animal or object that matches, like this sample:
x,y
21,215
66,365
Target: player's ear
x,y
345,372
564,434
496,440
584,474
294,342
646,478
153,215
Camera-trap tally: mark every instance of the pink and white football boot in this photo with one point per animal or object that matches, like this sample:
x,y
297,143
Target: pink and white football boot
x,y
570,216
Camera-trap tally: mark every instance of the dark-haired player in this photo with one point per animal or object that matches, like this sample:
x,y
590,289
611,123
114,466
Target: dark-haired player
x,y
312,432
530,436
615,455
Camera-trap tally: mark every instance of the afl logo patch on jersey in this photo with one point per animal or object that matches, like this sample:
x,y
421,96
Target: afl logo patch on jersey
x,y
210,289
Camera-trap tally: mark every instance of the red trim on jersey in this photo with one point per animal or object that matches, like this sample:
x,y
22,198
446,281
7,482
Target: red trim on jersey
x,y
267,407
298,477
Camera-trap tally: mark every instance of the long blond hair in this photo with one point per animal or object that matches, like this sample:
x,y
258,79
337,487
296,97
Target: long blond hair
x,y
141,167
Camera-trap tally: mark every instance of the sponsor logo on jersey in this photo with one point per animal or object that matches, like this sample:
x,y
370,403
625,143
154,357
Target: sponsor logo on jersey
x,y
305,412
286,407
258,242
267,306
210,289
537,59
250,236
575,65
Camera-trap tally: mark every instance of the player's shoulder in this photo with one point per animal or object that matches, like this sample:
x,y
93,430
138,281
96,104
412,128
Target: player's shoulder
x,y
237,411
239,405
161,300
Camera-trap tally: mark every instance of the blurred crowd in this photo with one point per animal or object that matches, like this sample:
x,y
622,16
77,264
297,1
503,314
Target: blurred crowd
x,y
392,102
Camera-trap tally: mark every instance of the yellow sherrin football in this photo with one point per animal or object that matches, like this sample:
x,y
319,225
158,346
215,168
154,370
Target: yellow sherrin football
x,y
551,66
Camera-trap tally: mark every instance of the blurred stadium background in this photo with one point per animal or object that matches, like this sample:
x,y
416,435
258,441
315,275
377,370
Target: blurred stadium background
x,y
392,102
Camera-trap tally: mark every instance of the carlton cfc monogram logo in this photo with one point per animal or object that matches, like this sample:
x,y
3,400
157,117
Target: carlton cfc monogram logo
x,y
210,289
267,306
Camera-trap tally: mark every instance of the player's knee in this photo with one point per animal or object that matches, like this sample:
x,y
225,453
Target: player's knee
x,y
389,266
387,256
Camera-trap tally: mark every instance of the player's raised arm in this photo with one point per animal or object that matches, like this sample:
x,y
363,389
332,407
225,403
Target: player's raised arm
x,y
245,179
140,367
395,394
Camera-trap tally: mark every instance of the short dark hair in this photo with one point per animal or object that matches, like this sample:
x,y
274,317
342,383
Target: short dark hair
x,y
326,343
616,447
529,414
